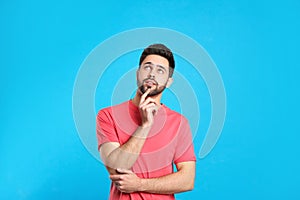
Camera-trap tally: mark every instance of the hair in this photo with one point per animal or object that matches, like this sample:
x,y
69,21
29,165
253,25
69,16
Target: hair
x,y
161,50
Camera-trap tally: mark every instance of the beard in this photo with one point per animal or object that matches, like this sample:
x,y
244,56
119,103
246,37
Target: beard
x,y
157,90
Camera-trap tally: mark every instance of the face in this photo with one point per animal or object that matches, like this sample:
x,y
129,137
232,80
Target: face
x,y
153,73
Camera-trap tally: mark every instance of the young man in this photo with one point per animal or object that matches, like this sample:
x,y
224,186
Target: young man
x,y
140,139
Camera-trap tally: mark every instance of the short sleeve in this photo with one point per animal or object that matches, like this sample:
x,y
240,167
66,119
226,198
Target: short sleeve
x,y
184,149
105,127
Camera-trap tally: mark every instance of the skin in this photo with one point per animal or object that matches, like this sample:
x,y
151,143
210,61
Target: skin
x,y
119,159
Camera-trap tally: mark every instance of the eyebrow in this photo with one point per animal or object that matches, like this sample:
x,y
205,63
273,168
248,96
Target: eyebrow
x,y
160,66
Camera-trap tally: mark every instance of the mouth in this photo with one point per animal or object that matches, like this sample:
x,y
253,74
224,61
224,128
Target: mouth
x,y
150,83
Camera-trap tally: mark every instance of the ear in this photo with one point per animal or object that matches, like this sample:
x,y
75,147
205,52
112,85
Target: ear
x,y
169,83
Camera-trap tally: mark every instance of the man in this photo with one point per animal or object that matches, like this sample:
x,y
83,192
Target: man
x,y
140,139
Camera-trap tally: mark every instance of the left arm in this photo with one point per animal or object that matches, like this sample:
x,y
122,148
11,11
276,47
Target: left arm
x,y
180,181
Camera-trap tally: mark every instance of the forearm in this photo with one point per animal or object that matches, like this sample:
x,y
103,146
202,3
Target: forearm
x,y
125,155
170,184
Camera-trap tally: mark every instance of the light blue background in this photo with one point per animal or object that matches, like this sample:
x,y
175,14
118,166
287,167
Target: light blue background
x,y
255,45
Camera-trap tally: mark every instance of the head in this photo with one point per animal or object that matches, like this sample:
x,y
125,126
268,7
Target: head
x,y
156,68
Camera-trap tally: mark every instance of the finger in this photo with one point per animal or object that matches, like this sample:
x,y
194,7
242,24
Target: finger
x,y
124,171
147,101
150,111
115,177
154,111
149,107
143,97
118,183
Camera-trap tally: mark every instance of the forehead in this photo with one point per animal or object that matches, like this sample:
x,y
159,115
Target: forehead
x,y
157,60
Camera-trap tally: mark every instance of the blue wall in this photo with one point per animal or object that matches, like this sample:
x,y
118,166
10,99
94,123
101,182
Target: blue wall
x,y
255,45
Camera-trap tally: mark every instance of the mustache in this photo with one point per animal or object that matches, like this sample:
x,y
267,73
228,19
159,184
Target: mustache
x,y
150,79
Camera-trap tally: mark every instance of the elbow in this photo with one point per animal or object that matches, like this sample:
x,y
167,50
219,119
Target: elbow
x,y
190,187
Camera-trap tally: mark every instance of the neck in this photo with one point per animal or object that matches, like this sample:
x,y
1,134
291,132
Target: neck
x,y
137,98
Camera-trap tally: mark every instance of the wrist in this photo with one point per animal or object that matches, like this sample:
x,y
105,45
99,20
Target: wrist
x,y
143,183
142,132
146,126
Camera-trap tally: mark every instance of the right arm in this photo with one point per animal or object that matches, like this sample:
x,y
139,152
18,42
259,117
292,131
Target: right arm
x,y
124,156
115,156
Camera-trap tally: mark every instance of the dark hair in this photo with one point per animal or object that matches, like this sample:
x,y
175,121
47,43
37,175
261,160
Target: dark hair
x,y
161,50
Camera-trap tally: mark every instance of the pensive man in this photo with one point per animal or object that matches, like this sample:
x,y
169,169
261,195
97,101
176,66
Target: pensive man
x,y
141,140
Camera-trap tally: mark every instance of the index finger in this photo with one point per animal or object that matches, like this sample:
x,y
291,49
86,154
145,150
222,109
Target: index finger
x,y
143,97
115,177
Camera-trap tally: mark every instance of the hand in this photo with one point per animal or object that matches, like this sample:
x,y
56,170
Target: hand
x,y
148,109
126,181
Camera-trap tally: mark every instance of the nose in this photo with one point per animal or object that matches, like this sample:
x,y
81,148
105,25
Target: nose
x,y
151,74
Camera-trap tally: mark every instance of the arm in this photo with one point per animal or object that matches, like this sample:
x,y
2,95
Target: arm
x,y
180,181
124,156
115,156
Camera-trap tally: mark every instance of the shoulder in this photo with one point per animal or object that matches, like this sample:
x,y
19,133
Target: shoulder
x,y
174,115
107,111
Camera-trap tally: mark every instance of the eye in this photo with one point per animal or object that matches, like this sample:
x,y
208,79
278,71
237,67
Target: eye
x,y
160,71
147,67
